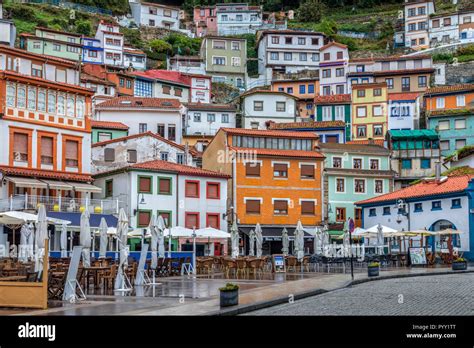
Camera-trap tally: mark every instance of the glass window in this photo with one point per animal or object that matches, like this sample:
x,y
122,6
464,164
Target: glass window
x,y
211,117
386,211
327,113
41,100
80,106
11,94
378,130
456,203
340,185
359,185
372,212
460,123
425,163
361,111
357,163
258,105
70,106
361,131
197,117
439,103
280,106
31,98
460,143
225,118
436,205
406,163
461,100
418,207
378,186
288,56
302,89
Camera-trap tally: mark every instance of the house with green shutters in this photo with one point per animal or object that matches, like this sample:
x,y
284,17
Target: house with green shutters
x,y
225,59
334,108
353,172
53,43
105,130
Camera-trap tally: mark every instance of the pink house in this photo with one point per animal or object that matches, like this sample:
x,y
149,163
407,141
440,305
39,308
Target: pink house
x,y
205,20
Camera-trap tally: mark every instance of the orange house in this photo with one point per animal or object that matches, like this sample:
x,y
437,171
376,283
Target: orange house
x,y
276,179
305,89
454,97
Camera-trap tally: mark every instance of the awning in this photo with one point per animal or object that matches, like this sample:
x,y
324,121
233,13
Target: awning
x,y
84,187
26,182
75,218
57,185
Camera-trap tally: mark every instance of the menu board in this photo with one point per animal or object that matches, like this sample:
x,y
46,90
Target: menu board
x,y
417,256
279,263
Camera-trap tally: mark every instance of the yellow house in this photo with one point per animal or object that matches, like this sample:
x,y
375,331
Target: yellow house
x,y
369,111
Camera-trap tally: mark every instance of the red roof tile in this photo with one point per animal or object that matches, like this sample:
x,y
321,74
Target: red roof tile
x,y
313,124
279,153
139,102
109,125
379,142
165,75
403,72
257,90
8,49
450,89
424,188
206,106
270,133
45,174
159,165
403,96
139,135
332,44
332,99
395,58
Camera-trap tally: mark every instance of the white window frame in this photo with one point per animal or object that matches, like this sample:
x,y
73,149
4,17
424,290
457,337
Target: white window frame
x,y
335,184
440,103
365,186
327,113
383,187
460,100
339,113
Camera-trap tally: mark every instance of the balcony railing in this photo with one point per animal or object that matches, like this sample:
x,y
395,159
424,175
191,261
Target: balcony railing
x,y
61,204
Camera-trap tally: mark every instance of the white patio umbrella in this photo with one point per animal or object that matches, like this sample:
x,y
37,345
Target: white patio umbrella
x,y
122,236
85,238
160,227
178,231
252,243
299,241
23,252
380,238
103,228
30,237
285,242
63,240
152,228
211,232
317,241
258,239
41,235
324,238
234,240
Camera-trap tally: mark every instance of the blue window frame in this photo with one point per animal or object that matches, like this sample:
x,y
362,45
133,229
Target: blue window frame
x,y
406,163
372,212
418,207
436,205
456,203
425,163
143,88
386,210
289,90
309,106
310,88
302,89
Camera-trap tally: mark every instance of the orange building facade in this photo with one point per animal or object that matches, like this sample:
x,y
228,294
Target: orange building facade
x,y
305,89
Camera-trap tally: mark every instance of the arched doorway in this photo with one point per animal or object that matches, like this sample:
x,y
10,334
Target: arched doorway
x,y
442,243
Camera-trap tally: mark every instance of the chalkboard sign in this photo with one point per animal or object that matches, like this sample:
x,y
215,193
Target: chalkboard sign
x,y
279,263
417,256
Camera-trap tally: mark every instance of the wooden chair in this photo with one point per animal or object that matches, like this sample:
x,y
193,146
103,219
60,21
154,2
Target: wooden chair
x,y
241,267
292,261
230,265
253,266
108,278
305,263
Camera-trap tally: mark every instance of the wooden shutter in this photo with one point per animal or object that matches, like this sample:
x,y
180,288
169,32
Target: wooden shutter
x,y
213,221
307,171
192,220
71,149
252,169
280,167
307,207
20,143
212,190
191,189
47,146
280,205
165,185
145,184
253,206
132,156
144,218
109,155
166,218
166,89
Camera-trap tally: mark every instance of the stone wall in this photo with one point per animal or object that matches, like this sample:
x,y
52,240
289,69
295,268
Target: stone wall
x,y
459,73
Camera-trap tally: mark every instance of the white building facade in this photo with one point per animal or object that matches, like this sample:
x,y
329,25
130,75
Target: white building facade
x,y
155,15
207,119
443,29
333,69
238,18
111,40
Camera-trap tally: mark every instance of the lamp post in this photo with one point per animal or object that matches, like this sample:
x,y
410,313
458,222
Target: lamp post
x,y
194,250
351,229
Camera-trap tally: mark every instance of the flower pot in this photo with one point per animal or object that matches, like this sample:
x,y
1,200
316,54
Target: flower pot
x,y
373,271
229,298
459,266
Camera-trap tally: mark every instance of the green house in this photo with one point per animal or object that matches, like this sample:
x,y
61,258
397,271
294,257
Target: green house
x,y
105,130
353,172
334,108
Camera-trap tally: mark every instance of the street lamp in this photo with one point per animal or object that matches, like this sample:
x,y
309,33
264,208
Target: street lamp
x,y
139,201
194,250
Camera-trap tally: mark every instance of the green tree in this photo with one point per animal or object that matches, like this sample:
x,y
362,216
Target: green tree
x,y
310,11
160,46
84,27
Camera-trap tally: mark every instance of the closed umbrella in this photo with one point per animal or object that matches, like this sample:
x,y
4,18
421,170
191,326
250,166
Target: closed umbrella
x,y
234,240
41,235
317,241
85,238
122,235
154,241
29,238
324,238
252,243
299,241
63,240
160,227
380,241
23,254
285,241
258,239
345,238
103,228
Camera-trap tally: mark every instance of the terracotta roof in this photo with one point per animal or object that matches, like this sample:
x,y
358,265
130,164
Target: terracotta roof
x,y
58,31
379,142
165,75
449,89
332,44
133,51
353,148
403,96
395,58
139,102
369,85
332,99
404,72
289,31
423,189
270,133
109,125
312,124
279,153
45,174
256,90
206,106
95,79
42,57
139,135
370,172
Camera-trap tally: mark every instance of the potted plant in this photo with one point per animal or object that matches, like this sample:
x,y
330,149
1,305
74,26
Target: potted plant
x,y
460,264
373,269
229,295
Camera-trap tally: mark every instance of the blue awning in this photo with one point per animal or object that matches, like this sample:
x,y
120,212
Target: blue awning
x,y
75,218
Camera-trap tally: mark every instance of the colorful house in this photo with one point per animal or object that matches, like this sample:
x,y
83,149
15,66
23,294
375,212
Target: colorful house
x,y
285,163
334,108
328,131
123,81
107,130
351,173
238,18
434,204
333,69
304,89
369,111
417,15
450,110
205,20
404,111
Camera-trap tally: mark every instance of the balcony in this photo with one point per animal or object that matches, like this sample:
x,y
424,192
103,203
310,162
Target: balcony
x,y
61,204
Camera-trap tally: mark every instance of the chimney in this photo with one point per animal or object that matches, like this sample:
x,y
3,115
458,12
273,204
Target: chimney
x,y
438,171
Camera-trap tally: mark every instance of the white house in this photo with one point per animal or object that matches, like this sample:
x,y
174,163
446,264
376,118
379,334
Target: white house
x,y
122,152
187,64
466,25
201,86
443,29
155,15
206,119
238,18
287,51
260,106
417,14
158,115
185,196
134,58
334,61
111,40
403,111
92,51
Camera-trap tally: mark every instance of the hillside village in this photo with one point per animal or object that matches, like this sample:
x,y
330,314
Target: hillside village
x,y
324,124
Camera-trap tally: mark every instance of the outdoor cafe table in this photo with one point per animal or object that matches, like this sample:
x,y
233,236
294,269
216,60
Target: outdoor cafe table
x,y
95,272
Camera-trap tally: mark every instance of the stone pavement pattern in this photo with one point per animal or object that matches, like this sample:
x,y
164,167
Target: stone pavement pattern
x,y
428,295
